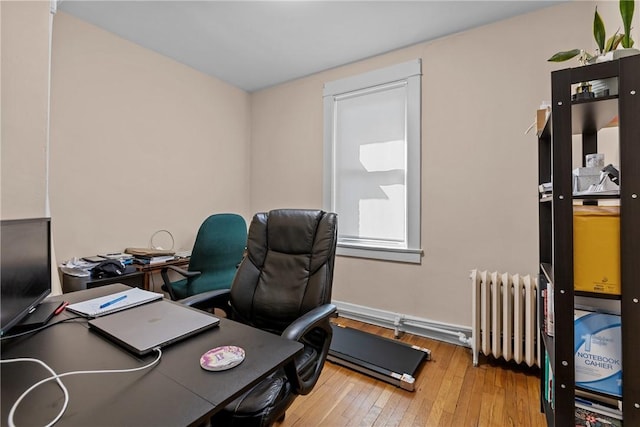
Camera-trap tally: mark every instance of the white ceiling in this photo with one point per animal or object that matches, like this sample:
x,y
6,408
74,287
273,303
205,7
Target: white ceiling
x,y
257,44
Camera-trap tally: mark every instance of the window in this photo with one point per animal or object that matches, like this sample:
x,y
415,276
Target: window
x,y
372,162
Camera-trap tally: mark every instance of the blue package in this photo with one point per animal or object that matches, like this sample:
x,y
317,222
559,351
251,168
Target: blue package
x,y
598,352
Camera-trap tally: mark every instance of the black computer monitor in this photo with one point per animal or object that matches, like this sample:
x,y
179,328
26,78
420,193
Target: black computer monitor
x,y
25,272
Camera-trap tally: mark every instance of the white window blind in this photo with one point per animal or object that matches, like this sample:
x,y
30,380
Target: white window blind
x,y
372,162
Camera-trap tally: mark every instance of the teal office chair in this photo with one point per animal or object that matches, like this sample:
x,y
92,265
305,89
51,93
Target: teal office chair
x,y
217,251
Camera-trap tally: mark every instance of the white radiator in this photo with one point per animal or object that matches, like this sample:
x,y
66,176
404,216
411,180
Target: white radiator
x,y
504,317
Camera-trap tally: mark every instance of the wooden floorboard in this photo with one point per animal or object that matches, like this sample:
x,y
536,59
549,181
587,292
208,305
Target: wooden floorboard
x,y
449,391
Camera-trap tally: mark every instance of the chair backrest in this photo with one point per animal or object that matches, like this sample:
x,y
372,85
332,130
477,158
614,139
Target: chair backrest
x,y
288,269
217,251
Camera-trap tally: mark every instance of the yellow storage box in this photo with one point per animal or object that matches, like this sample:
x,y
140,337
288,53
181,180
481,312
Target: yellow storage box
x,y
596,249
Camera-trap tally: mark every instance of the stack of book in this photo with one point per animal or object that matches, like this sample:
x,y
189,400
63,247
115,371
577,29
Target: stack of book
x,y
153,259
150,256
125,259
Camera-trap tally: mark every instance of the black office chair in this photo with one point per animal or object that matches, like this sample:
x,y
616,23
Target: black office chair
x,y
216,253
283,286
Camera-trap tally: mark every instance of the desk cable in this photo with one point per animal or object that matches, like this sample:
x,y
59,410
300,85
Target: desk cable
x,y
57,377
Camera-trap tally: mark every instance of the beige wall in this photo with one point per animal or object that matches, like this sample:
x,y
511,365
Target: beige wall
x,y
24,86
139,143
479,178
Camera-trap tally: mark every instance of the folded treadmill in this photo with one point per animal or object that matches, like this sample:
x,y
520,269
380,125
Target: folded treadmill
x,y
386,359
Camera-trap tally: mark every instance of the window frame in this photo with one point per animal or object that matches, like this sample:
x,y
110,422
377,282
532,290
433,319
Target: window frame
x,y
410,74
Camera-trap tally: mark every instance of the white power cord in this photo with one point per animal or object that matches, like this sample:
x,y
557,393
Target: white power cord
x,y
57,377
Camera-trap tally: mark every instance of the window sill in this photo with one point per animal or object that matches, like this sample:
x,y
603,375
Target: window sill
x,y
412,256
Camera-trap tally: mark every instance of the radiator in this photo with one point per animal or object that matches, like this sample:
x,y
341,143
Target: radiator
x,y
504,317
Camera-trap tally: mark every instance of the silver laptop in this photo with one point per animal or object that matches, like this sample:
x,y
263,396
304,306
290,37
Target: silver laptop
x,y
157,324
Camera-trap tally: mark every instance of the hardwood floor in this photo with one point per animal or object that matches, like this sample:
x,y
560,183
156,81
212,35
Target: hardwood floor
x,y
450,391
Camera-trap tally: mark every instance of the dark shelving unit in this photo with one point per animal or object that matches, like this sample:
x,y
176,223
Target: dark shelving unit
x,y
586,118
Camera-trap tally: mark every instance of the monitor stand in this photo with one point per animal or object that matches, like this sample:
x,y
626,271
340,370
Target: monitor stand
x,y
39,317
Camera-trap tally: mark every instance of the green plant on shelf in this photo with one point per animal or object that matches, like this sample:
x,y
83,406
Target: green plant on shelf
x,y
604,45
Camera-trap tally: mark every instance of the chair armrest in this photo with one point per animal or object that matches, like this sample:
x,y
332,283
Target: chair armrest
x,y
165,277
185,273
318,318
208,300
312,319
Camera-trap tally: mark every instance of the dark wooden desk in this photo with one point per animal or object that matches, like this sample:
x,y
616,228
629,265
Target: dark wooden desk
x,y
149,269
176,392
132,277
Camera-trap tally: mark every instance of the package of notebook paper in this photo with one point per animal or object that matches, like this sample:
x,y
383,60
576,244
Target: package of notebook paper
x,y
598,352
112,303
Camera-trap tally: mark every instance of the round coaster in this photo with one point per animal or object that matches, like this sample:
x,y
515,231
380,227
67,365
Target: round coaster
x,y
222,358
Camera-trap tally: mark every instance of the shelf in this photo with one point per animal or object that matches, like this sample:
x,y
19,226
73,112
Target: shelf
x,y
597,197
584,197
591,115
556,150
547,270
606,396
598,295
601,70
611,402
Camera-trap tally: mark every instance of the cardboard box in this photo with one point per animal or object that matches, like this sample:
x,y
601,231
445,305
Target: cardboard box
x,y
541,118
596,249
598,354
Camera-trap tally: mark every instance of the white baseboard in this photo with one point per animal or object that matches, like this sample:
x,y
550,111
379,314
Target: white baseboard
x,y
454,334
